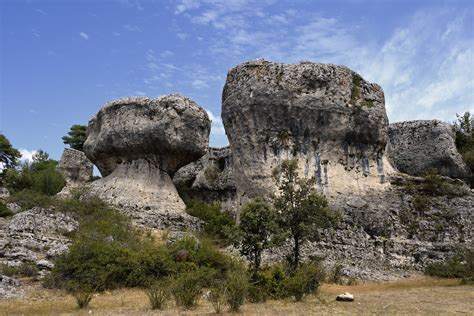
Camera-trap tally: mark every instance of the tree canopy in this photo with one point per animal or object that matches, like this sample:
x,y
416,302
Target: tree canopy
x,y
8,154
76,136
464,130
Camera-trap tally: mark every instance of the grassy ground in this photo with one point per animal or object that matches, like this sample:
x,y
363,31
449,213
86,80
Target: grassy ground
x,y
420,296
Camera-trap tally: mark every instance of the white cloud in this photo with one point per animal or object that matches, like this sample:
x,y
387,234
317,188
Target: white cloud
x,y
26,155
132,28
83,35
166,54
199,84
182,36
217,128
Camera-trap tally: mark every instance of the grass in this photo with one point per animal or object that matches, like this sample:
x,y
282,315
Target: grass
x,y
420,296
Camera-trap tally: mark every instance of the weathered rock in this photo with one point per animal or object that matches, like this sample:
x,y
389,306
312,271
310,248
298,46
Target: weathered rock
x,y
4,193
210,179
346,297
10,288
417,146
76,169
34,236
327,116
138,144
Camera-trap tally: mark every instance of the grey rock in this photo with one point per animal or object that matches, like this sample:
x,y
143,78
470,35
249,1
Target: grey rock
x,y
10,288
327,116
4,193
35,235
138,144
14,207
417,146
210,178
75,167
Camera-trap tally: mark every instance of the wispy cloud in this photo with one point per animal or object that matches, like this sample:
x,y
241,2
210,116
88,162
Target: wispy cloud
x,y
40,11
83,35
217,128
132,28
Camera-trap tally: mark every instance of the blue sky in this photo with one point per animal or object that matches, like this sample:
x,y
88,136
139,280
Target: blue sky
x,y
62,60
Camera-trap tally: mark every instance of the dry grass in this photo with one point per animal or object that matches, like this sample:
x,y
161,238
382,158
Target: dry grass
x,y
420,296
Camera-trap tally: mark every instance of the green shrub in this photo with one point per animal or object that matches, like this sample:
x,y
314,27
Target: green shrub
x,y
215,219
158,293
27,199
4,210
437,185
421,204
236,289
269,282
217,296
460,265
305,280
26,269
187,287
336,273
82,294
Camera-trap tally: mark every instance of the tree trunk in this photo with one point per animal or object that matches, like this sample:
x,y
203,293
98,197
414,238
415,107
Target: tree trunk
x,y
296,251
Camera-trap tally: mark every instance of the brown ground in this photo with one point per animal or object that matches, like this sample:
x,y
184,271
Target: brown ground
x,y
420,296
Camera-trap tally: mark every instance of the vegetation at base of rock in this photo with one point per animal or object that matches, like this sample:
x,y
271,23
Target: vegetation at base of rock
x,y
5,210
212,174
461,265
434,184
301,209
305,280
217,295
217,221
26,269
236,289
257,231
187,287
82,294
158,293
39,176
336,274
76,137
464,130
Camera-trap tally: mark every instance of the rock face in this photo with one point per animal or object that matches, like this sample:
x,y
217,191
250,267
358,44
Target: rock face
x,y
76,169
327,116
36,235
210,179
138,144
417,146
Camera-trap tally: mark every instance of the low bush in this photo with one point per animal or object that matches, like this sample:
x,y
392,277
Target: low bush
x,y
26,269
216,220
460,265
187,287
336,274
236,289
217,295
158,293
4,210
27,199
305,280
82,294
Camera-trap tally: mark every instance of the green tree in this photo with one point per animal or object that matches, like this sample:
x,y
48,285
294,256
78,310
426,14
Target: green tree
x,y
8,155
464,130
258,230
76,136
302,211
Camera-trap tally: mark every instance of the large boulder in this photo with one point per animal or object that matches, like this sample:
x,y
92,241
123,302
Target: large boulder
x,y
418,146
75,168
327,116
210,178
138,144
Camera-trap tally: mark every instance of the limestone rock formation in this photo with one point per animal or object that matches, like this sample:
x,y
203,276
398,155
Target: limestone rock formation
x,y
417,146
210,179
36,235
138,144
327,116
76,169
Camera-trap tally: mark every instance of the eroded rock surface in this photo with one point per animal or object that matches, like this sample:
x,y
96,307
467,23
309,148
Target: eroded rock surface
x,y
327,116
210,179
36,235
76,169
418,146
138,144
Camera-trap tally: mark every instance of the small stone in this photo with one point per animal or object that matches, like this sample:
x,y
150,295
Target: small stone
x,y
346,297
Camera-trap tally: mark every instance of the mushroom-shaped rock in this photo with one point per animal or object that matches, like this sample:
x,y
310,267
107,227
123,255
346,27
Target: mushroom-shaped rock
x,y
76,169
138,144
418,146
326,116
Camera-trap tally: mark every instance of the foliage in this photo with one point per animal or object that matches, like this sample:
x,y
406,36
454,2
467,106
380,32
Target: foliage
x,y
158,293
421,204
258,230
187,287
460,265
217,295
212,174
336,273
437,185
305,280
82,294
76,136
301,209
268,283
355,91
464,130
39,176
4,210
8,154
216,220
236,289
26,269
